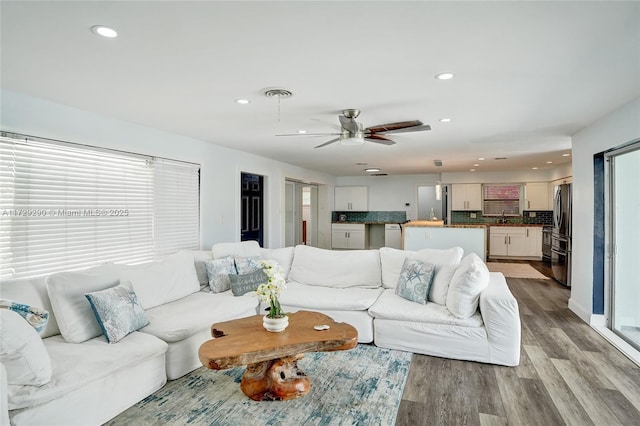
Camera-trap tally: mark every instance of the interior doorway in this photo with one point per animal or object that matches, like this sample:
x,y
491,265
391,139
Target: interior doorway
x,y
301,213
252,200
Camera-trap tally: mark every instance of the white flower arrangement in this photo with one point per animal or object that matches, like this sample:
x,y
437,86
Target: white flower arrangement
x,y
270,291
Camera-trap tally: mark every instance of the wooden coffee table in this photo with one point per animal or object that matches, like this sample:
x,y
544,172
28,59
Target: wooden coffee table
x,y
272,358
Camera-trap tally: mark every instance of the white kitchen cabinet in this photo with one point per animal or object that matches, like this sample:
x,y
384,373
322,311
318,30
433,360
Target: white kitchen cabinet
x,y
348,236
534,241
515,241
351,198
507,241
537,196
466,196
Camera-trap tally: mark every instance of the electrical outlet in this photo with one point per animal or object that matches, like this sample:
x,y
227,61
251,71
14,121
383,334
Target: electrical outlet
x,y
472,215
532,214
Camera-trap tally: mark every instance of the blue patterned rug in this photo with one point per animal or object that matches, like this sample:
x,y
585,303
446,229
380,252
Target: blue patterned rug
x,y
362,386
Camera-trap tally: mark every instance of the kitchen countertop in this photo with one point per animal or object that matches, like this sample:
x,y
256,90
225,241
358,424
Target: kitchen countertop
x,y
417,223
352,222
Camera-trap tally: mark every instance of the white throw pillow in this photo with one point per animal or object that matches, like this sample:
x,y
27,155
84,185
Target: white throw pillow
x,y
200,258
335,268
22,352
66,291
282,256
157,283
469,279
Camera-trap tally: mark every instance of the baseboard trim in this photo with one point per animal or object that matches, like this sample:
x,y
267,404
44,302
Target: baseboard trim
x,y
580,311
598,321
627,350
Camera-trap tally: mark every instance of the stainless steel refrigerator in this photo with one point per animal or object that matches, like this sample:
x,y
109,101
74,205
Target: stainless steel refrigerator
x,y
561,234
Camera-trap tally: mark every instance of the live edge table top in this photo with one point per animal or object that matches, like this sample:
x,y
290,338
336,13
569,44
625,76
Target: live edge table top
x,y
244,341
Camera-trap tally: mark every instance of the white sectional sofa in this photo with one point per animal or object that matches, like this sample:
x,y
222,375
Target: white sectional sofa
x,y
471,315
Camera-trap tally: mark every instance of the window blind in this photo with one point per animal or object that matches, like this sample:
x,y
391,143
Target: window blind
x,y
66,206
499,198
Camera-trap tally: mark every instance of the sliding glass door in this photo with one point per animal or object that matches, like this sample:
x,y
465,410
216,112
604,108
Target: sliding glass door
x,y
624,243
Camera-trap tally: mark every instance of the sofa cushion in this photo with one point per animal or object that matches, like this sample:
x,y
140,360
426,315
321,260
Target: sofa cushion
x,y
393,307
156,283
22,351
181,319
242,248
218,271
200,258
326,298
75,366
415,280
67,289
469,279
445,261
117,311
31,291
35,317
283,256
339,269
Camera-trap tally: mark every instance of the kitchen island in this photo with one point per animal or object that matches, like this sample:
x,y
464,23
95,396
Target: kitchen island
x,y
421,234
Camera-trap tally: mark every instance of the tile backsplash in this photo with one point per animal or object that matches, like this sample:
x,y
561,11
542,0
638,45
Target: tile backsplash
x,y
375,216
543,217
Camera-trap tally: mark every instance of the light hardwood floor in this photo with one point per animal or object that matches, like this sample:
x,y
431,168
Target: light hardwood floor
x,y
568,374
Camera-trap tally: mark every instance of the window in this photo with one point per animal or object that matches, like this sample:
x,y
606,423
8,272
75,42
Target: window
x,y
65,206
501,198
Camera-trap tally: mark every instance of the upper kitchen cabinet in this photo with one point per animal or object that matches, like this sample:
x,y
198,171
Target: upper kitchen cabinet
x,y
351,198
537,196
466,196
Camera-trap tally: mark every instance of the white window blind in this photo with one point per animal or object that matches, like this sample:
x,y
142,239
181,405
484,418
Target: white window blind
x,y
66,206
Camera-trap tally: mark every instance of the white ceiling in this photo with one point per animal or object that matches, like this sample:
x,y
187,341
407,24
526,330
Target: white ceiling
x,y
528,75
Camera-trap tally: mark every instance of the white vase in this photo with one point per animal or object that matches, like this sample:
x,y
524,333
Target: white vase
x,y
275,325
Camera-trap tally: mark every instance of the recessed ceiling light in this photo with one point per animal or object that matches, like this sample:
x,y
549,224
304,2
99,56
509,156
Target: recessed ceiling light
x,y
302,132
534,168
476,165
104,31
566,155
444,76
472,170
481,159
445,120
549,162
372,170
243,101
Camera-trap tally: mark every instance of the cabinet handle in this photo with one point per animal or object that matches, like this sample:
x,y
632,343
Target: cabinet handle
x,y
509,239
527,232
505,240
528,204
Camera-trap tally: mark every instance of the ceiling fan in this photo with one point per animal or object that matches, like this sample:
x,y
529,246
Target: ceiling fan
x,y
354,133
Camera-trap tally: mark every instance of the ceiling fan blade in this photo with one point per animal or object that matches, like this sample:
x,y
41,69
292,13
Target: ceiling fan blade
x,y
328,143
379,139
309,134
421,128
390,127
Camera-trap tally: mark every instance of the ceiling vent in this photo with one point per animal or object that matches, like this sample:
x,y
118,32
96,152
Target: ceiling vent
x,y
379,174
438,163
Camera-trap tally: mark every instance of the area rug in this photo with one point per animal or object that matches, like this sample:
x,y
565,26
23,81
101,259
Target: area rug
x,y
362,386
516,270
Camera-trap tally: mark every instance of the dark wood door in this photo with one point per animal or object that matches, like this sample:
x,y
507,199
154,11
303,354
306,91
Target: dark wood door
x,y
252,192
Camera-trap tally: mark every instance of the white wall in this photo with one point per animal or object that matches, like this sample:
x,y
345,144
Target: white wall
x,y
619,127
220,167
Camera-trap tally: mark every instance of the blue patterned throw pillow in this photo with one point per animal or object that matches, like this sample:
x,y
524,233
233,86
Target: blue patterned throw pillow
x,y
118,311
415,280
36,317
245,265
218,271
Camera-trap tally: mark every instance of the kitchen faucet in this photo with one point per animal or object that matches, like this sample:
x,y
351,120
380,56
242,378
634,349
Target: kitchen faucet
x,y
504,219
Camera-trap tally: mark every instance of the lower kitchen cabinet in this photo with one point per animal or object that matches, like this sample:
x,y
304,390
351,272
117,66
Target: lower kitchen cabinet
x,y
348,236
516,241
